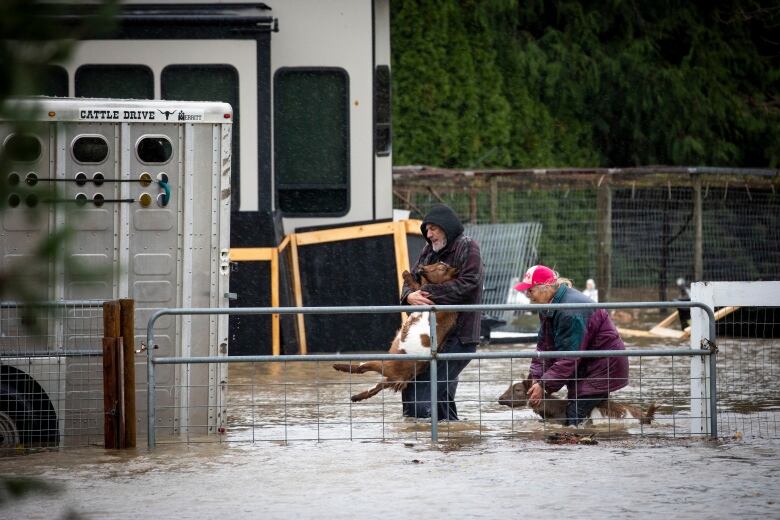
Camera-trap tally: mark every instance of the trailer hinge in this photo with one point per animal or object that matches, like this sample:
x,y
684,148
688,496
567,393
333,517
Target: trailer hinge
x,y
707,344
144,348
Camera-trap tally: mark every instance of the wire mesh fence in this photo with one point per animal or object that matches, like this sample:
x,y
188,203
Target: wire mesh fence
x,y
286,398
505,250
51,375
52,392
748,368
309,401
748,332
635,231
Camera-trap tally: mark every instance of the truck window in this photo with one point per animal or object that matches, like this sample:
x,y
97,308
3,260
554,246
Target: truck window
x,y
154,149
52,81
115,81
382,136
90,149
208,83
311,141
22,148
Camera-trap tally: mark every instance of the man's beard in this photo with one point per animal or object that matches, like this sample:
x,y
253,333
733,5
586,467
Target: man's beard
x,y
438,248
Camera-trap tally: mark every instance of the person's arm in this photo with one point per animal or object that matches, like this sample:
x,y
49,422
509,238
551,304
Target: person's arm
x,y
536,390
536,369
535,393
468,279
419,296
569,331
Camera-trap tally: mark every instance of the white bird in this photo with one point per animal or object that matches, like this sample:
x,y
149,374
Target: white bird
x,y
590,290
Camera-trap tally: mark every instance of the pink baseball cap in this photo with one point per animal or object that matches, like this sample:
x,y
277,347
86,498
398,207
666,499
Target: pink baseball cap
x,y
536,275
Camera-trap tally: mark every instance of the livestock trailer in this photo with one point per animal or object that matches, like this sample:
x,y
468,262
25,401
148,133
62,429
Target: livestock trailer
x,y
143,188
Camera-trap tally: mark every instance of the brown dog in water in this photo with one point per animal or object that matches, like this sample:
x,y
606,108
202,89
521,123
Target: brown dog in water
x,y
554,408
412,338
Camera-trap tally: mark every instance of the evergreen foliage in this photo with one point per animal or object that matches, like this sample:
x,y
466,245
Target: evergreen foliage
x,y
509,83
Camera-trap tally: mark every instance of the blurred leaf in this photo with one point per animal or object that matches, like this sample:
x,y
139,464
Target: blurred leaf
x,y
16,488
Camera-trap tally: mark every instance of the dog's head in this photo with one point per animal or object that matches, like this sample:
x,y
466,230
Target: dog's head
x,y
516,396
437,273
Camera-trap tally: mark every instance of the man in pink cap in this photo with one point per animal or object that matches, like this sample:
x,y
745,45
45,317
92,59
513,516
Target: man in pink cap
x,y
588,380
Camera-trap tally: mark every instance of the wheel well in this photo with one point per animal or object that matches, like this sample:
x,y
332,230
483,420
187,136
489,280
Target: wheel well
x,y
28,405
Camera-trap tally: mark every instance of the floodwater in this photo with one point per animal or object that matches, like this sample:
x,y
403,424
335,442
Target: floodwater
x,y
511,478
296,447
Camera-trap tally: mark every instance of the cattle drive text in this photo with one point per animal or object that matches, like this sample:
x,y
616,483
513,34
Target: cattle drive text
x,y
140,115
117,115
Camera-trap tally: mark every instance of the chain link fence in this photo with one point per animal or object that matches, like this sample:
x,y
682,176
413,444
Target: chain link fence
x,y
635,231
51,375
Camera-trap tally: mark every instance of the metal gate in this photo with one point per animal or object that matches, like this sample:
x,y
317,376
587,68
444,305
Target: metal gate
x,y
323,407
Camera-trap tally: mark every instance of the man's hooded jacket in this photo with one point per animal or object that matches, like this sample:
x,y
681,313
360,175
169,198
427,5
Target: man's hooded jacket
x,y
463,253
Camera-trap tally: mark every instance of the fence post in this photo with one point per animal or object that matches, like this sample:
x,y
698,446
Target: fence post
x,y
434,380
473,205
151,420
493,200
127,320
701,420
112,408
698,239
604,240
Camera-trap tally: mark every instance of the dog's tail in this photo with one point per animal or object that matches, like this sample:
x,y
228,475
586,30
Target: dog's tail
x,y
649,415
345,367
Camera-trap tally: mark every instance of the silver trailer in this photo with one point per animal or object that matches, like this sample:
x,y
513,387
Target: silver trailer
x,y
145,188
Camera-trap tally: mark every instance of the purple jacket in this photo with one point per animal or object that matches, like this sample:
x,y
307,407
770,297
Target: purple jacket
x,y
578,329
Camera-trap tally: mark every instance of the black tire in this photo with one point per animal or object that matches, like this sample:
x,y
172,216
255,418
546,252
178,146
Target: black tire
x,y
9,433
27,416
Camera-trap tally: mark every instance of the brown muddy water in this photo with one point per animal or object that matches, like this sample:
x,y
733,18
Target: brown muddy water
x,y
296,447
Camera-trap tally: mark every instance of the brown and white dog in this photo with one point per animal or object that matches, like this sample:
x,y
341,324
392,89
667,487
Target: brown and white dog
x,y
553,408
412,338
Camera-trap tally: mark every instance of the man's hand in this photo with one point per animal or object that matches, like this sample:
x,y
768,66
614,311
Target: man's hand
x,y
535,394
419,298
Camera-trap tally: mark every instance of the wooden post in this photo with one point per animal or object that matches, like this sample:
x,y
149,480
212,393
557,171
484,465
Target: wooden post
x,y
110,397
298,294
127,325
473,206
698,239
665,243
604,241
493,200
111,404
276,343
119,363
401,249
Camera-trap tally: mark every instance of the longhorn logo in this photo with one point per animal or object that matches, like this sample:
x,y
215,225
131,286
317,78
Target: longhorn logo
x,y
167,113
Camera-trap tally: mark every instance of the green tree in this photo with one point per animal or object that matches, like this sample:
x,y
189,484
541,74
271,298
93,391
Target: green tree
x,y
572,83
420,113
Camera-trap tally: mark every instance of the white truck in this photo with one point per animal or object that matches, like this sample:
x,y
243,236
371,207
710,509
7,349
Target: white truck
x,y
309,83
144,186
308,80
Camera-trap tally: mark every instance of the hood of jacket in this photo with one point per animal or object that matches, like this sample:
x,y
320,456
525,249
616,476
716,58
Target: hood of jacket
x,y
445,218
